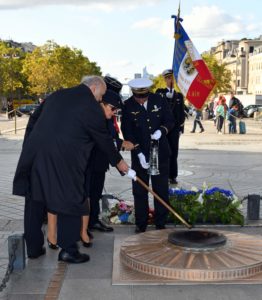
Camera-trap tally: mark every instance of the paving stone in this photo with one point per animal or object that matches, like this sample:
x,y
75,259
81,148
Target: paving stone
x,y
227,161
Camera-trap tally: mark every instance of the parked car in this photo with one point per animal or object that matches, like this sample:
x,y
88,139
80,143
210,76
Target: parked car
x,y
250,109
27,109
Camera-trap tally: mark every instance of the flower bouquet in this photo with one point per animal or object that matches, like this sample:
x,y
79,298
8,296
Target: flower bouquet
x,y
123,212
210,205
119,212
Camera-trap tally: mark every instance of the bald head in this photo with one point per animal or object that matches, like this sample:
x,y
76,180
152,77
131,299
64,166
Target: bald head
x,y
96,85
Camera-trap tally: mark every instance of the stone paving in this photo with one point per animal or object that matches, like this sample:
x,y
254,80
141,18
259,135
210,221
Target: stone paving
x,y
228,161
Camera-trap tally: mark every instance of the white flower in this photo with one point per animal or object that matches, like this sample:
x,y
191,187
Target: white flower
x,y
200,199
115,220
194,189
131,218
205,186
112,202
235,199
129,203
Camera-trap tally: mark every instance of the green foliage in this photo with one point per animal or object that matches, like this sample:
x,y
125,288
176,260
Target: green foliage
x,y
51,67
11,79
159,82
221,74
186,204
218,207
209,206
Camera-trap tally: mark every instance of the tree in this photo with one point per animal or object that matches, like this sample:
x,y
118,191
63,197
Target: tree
x,y
221,74
159,82
11,78
51,67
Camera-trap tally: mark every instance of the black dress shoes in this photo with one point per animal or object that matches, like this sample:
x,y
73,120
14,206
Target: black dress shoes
x,y
160,227
86,244
76,258
89,233
101,226
139,230
173,181
36,255
52,246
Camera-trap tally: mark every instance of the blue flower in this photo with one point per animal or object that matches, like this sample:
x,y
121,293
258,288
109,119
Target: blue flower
x,y
214,190
124,217
181,192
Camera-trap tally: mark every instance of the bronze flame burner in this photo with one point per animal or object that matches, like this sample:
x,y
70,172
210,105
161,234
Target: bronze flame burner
x,y
197,239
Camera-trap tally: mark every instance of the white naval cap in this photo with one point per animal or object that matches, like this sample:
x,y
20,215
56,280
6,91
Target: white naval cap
x,y
140,86
167,72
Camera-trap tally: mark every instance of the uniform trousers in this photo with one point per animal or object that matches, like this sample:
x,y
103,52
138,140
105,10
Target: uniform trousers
x,y
68,228
159,186
173,140
97,182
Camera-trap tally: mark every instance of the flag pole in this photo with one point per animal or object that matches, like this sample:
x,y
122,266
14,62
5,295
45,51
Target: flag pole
x,y
177,22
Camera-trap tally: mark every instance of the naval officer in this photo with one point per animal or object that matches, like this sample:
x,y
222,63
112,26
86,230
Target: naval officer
x,y
177,106
147,119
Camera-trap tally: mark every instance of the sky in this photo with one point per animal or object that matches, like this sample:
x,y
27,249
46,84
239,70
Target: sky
x,y
124,36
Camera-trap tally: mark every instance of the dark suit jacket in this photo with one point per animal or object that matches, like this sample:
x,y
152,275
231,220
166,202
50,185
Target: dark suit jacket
x,y
177,107
55,156
99,161
138,124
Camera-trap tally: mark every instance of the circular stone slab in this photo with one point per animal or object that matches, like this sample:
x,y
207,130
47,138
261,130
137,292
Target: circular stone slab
x,y
151,253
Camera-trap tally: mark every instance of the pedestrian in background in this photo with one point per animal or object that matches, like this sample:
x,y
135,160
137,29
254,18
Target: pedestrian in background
x,y
10,110
231,116
221,113
197,121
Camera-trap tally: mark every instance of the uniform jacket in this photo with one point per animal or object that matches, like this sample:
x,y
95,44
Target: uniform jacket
x,y
139,123
55,156
177,107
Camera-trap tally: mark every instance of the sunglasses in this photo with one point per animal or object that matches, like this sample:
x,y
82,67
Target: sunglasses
x,y
113,108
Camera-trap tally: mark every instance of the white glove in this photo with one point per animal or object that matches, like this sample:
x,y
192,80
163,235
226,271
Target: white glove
x,y
131,174
142,160
156,135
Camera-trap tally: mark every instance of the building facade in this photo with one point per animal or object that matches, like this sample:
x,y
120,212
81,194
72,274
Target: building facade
x,y
244,59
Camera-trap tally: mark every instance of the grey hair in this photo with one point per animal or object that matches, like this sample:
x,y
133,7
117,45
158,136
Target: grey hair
x,y
93,80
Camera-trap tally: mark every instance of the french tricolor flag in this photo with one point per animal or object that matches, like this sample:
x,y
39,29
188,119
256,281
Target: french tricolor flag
x,y
191,73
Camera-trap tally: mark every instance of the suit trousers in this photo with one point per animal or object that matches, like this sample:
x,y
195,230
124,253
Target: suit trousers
x,y
97,182
34,215
68,228
173,140
160,186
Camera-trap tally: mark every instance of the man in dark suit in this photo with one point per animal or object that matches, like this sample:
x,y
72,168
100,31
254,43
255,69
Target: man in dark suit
x,y
51,171
176,104
146,120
